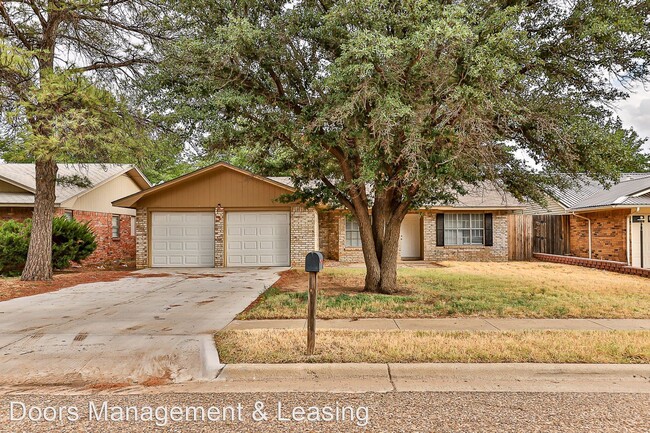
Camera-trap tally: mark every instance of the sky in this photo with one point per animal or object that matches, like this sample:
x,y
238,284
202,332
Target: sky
x,y
635,112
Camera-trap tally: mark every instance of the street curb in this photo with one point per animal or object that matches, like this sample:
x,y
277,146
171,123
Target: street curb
x,y
441,377
211,366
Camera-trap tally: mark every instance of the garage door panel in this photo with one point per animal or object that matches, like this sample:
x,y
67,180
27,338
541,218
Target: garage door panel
x,y
159,231
182,239
174,246
250,231
257,238
266,231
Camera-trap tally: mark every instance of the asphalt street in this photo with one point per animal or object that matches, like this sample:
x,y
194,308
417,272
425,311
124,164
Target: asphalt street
x,y
369,412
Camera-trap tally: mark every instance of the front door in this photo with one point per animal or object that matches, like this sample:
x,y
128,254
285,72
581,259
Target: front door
x,y
636,235
410,237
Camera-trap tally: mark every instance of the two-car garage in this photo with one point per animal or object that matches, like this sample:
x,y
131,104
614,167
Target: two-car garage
x,y
186,239
219,216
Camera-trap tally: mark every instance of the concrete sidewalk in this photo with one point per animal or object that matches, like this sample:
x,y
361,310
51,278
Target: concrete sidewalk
x,y
450,324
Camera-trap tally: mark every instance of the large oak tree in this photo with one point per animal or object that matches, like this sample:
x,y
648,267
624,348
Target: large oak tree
x,y
62,65
381,106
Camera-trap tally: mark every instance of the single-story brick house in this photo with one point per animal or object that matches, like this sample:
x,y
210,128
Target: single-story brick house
x,y
114,227
593,222
222,215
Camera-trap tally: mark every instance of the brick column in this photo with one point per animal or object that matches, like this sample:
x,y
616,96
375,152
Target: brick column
x,y
219,244
141,238
429,235
304,233
500,237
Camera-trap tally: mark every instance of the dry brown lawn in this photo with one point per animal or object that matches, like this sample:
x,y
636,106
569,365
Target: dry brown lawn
x,y
464,289
288,346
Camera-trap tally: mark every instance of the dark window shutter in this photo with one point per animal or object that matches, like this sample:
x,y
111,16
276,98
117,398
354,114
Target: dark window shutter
x,y
487,241
440,230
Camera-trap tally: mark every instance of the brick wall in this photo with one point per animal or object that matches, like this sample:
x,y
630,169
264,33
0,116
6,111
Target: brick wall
x,y
219,242
141,234
304,234
332,229
609,235
328,234
15,213
109,249
498,252
606,265
335,232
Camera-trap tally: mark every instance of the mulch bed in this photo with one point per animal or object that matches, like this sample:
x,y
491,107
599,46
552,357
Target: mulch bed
x,y
11,288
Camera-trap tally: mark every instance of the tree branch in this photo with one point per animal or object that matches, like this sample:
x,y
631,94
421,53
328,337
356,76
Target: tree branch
x,y
38,13
14,28
113,65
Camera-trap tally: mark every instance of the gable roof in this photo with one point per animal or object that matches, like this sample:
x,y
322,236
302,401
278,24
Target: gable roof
x,y
130,200
24,176
633,189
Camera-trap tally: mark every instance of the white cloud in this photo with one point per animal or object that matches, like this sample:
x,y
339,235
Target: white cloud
x,y
635,112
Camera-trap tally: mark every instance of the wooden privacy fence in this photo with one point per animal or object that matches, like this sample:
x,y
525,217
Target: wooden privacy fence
x,y
551,234
520,237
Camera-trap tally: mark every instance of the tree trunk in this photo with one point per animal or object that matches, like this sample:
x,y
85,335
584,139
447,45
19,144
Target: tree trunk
x,y
389,257
39,256
373,264
381,245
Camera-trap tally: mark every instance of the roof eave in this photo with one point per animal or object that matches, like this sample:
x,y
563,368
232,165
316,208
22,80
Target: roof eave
x,y
606,207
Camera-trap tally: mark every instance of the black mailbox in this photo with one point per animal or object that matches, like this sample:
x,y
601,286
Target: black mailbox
x,y
314,262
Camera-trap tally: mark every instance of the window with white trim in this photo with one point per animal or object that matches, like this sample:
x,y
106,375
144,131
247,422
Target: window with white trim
x,y
68,215
352,235
115,226
464,229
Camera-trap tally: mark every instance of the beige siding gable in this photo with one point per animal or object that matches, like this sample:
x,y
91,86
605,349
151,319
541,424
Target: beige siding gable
x,y
223,187
7,187
99,199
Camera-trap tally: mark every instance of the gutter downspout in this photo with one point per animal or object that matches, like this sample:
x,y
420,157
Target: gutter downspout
x,y
589,222
628,237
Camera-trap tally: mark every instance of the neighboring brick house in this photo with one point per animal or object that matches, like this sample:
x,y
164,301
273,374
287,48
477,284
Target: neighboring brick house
x,y
605,223
222,215
114,227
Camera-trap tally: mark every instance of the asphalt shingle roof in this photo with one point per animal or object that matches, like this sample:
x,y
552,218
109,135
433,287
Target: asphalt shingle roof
x,y
628,191
483,196
24,175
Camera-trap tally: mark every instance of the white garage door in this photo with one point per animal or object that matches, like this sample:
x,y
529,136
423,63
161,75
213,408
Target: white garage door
x,y
182,239
257,238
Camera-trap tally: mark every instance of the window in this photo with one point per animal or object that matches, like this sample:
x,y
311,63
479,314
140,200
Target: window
x,y
68,215
464,229
115,226
132,226
352,236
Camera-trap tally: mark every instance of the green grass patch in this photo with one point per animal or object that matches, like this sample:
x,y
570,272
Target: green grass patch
x,y
526,290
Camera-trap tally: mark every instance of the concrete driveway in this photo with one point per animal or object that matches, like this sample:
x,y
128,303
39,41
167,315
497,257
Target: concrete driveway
x,y
153,327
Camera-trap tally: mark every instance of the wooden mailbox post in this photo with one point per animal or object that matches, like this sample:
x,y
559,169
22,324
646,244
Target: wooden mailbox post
x,y
313,265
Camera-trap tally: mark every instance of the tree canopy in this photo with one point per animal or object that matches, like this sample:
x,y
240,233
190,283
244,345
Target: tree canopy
x,y
67,68
390,105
